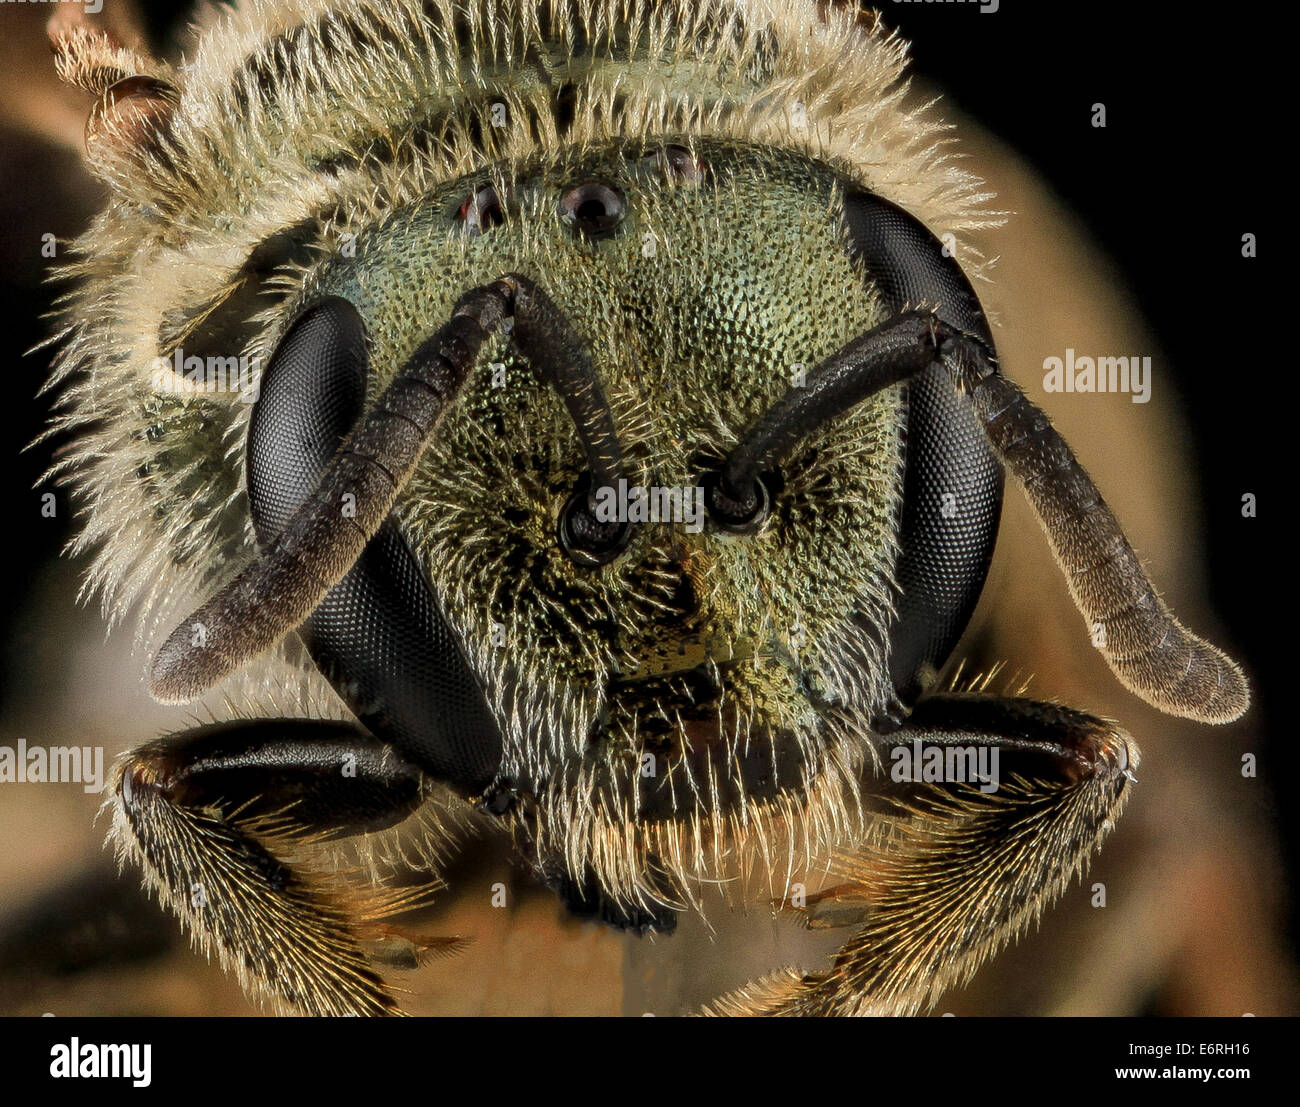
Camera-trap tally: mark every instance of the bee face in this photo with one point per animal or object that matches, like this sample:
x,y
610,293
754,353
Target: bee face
x,y
646,675
627,457
698,671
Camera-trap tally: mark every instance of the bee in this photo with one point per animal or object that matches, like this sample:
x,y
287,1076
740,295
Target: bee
x,y
573,418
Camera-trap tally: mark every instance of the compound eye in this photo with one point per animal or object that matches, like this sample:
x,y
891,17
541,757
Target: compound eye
x,y
587,540
593,207
679,164
481,211
379,637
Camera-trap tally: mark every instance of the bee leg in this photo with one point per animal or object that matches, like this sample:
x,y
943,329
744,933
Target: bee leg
x,y
961,865
221,819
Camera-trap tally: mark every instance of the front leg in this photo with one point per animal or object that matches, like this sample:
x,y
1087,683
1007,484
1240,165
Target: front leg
x,y
959,867
222,818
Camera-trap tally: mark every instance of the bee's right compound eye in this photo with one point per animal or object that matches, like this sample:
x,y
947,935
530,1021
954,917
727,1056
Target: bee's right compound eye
x,y
379,636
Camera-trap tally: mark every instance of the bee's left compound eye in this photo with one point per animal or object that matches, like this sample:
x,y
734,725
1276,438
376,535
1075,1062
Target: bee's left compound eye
x,y
593,207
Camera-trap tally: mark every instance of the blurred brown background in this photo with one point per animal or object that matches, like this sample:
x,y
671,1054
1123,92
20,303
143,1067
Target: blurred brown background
x,y
1124,241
